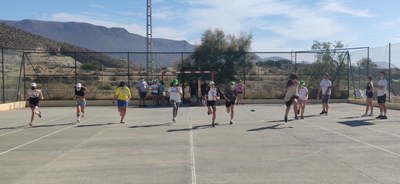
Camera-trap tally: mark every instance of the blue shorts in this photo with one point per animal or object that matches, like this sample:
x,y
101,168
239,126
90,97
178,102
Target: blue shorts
x,y
143,95
325,98
121,103
81,103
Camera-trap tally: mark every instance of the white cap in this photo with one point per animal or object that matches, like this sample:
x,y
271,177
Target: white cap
x,y
78,85
33,84
212,82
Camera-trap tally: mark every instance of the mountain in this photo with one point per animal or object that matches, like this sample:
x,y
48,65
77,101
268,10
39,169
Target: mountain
x,y
12,37
98,38
384,65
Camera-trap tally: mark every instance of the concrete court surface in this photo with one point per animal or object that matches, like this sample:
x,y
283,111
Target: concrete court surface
x,y
258,148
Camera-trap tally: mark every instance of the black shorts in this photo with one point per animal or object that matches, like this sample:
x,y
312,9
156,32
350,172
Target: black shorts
x,y
210,103
229,103
381,99
289,103
369,94
33,105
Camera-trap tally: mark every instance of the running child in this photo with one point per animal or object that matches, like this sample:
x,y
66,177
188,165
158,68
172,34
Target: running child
x,y
80,100
34,95
212,95
303,98
230,96
240,90
175,95
123,95
291,96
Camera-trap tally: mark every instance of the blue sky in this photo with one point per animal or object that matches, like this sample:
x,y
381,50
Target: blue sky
x,y
276,25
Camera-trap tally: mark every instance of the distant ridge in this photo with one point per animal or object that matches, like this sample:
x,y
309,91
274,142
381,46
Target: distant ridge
x,y
98,38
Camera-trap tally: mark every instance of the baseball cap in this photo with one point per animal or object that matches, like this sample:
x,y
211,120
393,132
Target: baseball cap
x,y
33,84
78,85
175,81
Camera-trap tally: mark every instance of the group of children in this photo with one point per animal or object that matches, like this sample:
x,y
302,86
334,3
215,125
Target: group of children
x,y
296,95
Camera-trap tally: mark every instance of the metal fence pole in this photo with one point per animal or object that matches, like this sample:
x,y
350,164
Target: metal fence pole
x,y
390,47
2,75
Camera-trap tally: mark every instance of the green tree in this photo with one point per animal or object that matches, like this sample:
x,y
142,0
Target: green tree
x,y
225,54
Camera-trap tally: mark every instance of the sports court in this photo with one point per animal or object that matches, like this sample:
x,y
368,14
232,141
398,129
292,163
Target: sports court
x,y
258,148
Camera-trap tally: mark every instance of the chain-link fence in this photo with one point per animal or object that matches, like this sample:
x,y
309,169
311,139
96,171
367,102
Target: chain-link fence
x,y
263,73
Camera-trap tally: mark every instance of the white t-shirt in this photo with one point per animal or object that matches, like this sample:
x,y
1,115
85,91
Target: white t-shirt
x,y
302,93
325,86
175,93
154,88
212,94
143,86
382,82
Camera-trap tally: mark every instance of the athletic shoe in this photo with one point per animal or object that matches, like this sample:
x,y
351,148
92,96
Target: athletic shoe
x,y
384,117
213,125
371,114
231,122
285,119
83,114
40,114
301,117
323,112
78,119
364,115
208,112
379,117
296,117
122,122
173,120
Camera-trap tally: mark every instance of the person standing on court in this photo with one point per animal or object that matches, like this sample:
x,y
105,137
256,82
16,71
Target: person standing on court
x,y
212,96
34,95
369,92
80,100
382,91
203,90
240,90
230,96
142,87
291,96
122,95
325,90
154,92
175,95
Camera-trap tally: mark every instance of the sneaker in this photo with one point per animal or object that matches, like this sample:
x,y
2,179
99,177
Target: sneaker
x,y
285,119
78,119
296,117
323,112
384,117
122,122
173,120
379,117
231,122
213,125
83,114
301,117
371,114
208,112
364,115
40,114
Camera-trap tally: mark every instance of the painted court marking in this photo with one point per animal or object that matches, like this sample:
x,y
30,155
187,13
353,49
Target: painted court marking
x,y
354,139
37,124
192,150
48,135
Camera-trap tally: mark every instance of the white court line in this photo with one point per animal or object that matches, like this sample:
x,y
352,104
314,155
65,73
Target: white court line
x,y
192,151
37,124
384,132
357,140
22,145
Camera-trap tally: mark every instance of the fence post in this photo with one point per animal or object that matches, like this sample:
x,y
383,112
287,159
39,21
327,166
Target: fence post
x,y
244,74
390,47
129,70
2,75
